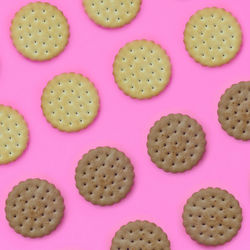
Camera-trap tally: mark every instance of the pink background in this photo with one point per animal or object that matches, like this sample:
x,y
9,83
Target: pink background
x,y
124,123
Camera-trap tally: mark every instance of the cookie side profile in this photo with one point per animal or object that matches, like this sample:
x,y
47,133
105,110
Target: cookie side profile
x,y
142,69
104,176
39,31
14,134
140,235
34,208
212,36
212,216
176,143
234,111
112,14
70,102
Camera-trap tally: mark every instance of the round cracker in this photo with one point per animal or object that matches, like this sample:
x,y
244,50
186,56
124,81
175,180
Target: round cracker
x,y
212,37
39,31
234,111
70,102
104,176
142,69
14,134
212,216
140,235
176,143
34,208
112,14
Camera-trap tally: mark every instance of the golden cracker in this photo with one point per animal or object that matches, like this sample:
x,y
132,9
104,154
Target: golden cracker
x,y
14,134
112,14
70,102
39,31
142,69
212,37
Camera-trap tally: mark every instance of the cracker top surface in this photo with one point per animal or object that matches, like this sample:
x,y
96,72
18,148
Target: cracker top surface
x,y
14,134
34,208
212,216
212,36
112,13
140,235
104,176
70,102
142,69
176,143
234,111
39,31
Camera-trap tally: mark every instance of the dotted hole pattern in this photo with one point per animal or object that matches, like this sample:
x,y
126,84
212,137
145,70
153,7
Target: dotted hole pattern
x,y
212,36
34,208
234,111
39,31
104,176
140,235
13,134
70,102
142,69
176,143
109,13
212,216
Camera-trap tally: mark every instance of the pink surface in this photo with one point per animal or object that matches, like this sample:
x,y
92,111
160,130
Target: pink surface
x,y
124,123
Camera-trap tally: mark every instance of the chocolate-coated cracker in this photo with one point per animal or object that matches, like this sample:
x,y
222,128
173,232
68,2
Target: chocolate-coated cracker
x,y
234,111
104,176
140,235
34,208
212,216
176,143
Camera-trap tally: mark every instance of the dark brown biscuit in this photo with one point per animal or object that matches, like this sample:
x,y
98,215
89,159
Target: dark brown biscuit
x,y
34,208
234,111
176,143
212,216
104,176
140,235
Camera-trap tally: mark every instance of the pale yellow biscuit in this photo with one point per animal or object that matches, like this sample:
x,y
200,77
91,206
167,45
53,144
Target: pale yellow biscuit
x,y
112,13
70,102
14,134
39,31
212,37
142,69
